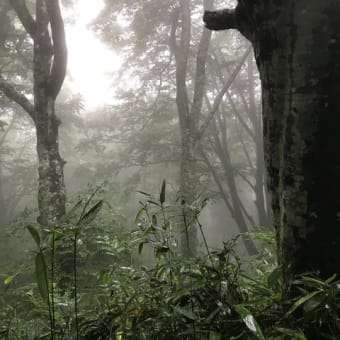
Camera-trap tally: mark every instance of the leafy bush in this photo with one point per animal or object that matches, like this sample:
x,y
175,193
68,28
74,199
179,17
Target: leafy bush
x,y
103,294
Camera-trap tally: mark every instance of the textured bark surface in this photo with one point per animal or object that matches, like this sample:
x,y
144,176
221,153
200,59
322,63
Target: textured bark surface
x,y
51,195
297,48
49,69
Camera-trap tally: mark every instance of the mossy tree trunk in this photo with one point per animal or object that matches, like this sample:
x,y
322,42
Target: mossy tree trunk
x,y
49,69
297,49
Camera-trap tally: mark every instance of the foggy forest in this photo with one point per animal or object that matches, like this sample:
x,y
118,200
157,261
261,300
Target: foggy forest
x,y
169,169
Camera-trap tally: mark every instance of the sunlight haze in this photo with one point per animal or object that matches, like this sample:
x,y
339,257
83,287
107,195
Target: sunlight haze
x,y
90,61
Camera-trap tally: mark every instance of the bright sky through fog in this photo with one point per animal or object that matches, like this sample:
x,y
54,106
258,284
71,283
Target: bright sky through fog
x,y
90,61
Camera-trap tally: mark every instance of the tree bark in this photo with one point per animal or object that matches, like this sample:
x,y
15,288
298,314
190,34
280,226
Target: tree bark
x,y
297,48
49,69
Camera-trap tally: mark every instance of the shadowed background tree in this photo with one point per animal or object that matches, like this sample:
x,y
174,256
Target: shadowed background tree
x,y
166,52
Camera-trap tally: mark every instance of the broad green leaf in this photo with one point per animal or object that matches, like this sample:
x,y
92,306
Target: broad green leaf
x,y
301,301
185,312
249,321
35,234
314,303
41,274
139,214
92,213
313,283
162,194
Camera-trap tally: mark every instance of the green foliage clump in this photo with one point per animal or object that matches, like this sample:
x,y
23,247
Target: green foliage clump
x,y
105,293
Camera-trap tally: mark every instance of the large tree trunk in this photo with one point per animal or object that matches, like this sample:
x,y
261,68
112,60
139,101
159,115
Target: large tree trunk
x,y
297,48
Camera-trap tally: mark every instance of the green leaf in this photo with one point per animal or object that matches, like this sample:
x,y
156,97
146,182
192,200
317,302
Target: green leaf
x,y
144,193
312,304
92,213
9,279
140,247
139,214
161,250
35,234
293,334
274,278
185,312
162,194
331,279
312,282
69,214
214,335
301,301
249,321
153,202
41,275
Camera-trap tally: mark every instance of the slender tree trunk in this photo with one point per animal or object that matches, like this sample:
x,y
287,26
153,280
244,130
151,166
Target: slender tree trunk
x,y
3,212
297,48
189,115
256,119
236,204
51,193
49,69
188,192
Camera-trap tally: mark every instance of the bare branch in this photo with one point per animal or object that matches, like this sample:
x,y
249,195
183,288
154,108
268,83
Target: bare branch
x,y
221,94
25,16
10,92
58,72
220,20
200,74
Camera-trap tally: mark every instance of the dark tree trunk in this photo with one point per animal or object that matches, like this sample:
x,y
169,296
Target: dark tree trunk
x,y
297,48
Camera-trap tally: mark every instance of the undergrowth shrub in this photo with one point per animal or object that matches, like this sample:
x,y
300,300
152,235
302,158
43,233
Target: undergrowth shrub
x,y
105,293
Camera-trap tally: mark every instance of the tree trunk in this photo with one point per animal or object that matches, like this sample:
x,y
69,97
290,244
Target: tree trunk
x,y
49,69
51,192
189,115
297,48
222,151
188,191
255,117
